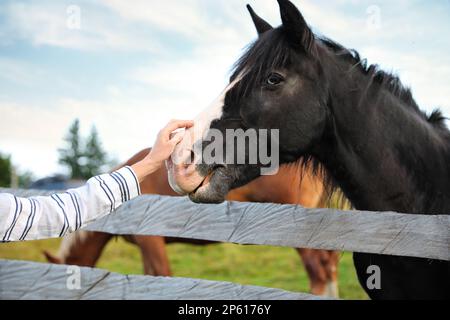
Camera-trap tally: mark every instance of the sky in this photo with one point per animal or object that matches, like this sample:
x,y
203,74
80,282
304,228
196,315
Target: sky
x,y
128,67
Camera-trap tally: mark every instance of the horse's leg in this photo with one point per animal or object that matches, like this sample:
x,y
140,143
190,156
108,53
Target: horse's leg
x,y
322,269
321,265
316,273
331,266
82,248
154,255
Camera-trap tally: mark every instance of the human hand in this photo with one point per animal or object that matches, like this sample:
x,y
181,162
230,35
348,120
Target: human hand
x,y
162,149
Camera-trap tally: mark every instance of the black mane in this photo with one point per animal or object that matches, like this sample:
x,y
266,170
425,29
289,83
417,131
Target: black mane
x,y
387,80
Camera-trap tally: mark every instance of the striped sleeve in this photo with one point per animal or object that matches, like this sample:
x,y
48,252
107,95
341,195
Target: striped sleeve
x,y
54,216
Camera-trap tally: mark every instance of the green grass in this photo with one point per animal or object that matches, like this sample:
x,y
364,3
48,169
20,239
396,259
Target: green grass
x,y
252,265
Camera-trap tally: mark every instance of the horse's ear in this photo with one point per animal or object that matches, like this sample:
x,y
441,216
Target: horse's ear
x,y
295,25
260,24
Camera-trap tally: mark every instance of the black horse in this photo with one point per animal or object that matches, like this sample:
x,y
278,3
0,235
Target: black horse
x,y
350,119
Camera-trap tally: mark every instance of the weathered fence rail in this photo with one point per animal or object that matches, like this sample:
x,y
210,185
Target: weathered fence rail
x,y
425,236
35,281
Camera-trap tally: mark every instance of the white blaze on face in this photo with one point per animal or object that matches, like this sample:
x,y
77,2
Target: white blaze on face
x,y
180,165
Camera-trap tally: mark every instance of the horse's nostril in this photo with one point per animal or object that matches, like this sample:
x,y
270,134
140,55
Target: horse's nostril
x,y
190,160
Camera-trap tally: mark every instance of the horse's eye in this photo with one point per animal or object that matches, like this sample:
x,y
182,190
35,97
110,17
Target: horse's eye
x,y
274,79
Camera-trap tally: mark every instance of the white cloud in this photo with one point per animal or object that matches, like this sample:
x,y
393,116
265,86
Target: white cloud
x,y
113,24
46,24
187,18
202,75
19,72
184,17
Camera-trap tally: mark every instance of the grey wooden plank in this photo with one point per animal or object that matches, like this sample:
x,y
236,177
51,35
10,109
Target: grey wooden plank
x,y
35,281
389,233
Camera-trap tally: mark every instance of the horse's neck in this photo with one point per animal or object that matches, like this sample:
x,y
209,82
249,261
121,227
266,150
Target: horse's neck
x,y
384,155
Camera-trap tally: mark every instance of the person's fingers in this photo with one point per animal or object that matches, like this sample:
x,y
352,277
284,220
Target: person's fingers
x,y
176,124
177,138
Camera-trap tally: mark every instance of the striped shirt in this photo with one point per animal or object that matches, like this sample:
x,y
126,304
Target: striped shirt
x,y
54,216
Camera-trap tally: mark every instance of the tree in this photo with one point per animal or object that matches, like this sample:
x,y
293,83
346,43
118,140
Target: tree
x,y
25,179
5,171
84,160
96,157
71,156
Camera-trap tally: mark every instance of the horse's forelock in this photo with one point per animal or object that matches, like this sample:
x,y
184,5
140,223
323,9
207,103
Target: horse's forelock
x,y
270,51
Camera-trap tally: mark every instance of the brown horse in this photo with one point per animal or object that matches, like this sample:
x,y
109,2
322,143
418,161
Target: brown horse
x,y
292,185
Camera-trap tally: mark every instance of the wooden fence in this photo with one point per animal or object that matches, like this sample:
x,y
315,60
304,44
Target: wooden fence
x,y
425,236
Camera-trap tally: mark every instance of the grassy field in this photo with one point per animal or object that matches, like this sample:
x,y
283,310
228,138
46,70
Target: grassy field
x,y
252,265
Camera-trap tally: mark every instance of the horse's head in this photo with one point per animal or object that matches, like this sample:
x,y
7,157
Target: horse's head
x,y
276,85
